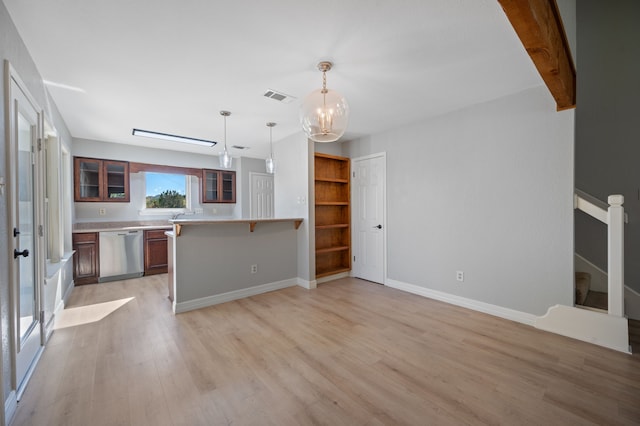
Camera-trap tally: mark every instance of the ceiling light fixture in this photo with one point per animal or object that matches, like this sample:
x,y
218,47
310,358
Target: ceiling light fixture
x,y
225,157
270,162
173,138
325,113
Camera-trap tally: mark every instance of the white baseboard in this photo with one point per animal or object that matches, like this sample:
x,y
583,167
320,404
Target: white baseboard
x,y
333,277
216,299
487,308
64,301
309,285
593,327
10,407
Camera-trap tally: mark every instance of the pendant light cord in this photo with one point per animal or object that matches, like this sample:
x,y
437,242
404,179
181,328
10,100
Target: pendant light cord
x,y
225,133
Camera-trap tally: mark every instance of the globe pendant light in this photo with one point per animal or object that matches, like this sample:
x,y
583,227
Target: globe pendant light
x,y
270,162
225,157
325,113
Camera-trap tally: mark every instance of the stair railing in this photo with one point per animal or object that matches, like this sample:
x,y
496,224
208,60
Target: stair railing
x,y
614,217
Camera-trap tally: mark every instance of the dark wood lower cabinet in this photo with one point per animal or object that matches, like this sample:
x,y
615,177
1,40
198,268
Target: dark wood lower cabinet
x,y
155,252
86,264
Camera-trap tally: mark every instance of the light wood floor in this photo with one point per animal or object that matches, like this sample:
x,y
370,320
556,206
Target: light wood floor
x,y
348,353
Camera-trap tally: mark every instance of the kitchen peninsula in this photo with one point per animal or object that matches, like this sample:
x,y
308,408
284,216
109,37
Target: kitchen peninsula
x,y
214,261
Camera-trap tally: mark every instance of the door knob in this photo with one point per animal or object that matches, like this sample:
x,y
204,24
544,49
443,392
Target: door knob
x,y
378,227
17,253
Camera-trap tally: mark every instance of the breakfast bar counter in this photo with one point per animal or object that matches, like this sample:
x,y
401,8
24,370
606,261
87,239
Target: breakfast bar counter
x,y
218,260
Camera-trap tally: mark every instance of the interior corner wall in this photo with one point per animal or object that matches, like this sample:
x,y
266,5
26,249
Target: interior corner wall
x,y
293,196
487,190
607,145
13,49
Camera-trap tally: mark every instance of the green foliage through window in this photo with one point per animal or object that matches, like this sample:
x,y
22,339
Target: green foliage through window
x,y
169,199
165,191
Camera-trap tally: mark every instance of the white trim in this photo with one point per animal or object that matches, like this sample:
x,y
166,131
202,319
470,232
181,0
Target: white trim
x,y
64,301
309,285
333,277
593,327
487,308
216,299
27,377
10,407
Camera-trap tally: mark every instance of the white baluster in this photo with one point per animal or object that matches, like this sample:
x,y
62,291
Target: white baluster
x,y
615,250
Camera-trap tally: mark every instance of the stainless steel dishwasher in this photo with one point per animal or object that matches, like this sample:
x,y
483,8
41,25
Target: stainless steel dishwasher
x,y
121,255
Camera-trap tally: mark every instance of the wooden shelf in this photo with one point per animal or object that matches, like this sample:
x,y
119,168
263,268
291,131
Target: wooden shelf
x,y
336,225
332,249
333,214
334,180
332,272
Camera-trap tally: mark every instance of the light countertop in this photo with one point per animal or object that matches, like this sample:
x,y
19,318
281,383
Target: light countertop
x,y
121,226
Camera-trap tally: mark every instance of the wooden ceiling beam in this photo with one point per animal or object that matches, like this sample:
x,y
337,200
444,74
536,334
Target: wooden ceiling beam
x,y
539,27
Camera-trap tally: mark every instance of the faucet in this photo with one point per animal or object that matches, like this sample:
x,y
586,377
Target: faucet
x,y
176,215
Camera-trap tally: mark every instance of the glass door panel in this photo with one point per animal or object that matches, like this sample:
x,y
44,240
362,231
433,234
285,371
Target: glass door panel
x,y
116,179
89,175
25,240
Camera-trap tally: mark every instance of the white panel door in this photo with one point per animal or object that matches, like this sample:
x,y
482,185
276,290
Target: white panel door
x,y
368,218
261,196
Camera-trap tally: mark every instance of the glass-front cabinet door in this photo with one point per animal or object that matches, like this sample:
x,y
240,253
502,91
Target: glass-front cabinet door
x,y
116,179
218,186
88,177
210,186
228,193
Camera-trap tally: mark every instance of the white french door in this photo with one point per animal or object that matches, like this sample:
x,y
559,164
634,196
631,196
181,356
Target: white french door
x,y
261,190
26,240
368,204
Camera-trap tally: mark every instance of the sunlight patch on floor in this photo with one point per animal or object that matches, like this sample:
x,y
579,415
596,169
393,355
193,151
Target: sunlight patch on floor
x,y
87,314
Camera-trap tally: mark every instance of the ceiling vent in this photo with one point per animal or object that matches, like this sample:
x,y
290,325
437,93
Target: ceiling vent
x,y
278,96
239,147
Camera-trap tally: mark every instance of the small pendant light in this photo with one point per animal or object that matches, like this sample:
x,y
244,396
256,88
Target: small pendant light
x,y
225,157
270,162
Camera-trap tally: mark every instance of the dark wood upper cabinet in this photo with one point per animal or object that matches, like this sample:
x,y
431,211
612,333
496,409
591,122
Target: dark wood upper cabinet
x,y
218,186
101,180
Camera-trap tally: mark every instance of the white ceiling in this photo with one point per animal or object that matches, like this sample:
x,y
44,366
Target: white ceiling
x,y
171,66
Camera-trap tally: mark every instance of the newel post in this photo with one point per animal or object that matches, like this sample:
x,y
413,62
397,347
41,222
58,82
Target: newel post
x,y
615,268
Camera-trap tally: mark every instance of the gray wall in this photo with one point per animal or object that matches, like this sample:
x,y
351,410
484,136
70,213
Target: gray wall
x,y
486,190
607,142
293,195
13,49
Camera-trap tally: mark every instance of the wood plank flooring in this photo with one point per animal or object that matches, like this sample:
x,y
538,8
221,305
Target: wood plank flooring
x,y
347,353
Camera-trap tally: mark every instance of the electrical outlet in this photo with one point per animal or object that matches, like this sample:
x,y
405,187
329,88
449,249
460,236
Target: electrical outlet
x,y
459,275
102,212
254,269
